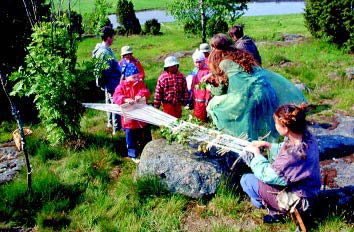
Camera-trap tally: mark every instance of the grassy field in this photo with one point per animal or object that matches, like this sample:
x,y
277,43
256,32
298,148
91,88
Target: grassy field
x,y
92,187
87,6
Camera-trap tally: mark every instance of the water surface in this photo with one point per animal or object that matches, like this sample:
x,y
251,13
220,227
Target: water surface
x,y
254,9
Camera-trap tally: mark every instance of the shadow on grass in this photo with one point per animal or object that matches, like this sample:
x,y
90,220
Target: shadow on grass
x,y
112,143
46,205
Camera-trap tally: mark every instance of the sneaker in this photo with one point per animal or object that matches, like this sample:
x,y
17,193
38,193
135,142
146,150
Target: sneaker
x,y
269,219
135,160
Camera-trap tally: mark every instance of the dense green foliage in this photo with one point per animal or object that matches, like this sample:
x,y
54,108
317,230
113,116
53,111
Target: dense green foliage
x,y
50,76
194,15
95,20
127,19
332,21
152,27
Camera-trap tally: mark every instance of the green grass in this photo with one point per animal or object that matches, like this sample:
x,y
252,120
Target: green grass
x,y
92,187
87,6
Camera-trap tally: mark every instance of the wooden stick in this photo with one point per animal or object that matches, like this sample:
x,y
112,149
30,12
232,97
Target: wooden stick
x,y
295,216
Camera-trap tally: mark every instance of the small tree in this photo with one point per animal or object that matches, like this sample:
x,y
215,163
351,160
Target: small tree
x,y
127,18
49,75
198,13
331,20
97,19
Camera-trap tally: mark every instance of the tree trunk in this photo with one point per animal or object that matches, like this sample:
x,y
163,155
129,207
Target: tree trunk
x,y
203,20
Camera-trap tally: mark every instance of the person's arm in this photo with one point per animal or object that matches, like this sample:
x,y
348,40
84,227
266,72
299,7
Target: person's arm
x,y
185,91
141,70
218,90
261,167
158,94
143,92
273,151
119,96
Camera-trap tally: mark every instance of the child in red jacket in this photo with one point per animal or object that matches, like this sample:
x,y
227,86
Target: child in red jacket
x,y
137,134
200,95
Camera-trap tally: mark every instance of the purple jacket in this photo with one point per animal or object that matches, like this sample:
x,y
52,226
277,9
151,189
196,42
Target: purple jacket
x,y
301,174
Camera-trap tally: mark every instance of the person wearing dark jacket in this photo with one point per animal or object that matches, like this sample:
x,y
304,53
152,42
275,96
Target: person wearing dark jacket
x,y
244,42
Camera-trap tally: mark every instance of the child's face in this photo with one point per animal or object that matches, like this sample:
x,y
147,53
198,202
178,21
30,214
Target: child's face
x,y
199,64
128,56
172,69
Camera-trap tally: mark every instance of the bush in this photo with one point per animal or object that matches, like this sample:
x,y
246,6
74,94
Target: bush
x,y
215,26
191,27
152,27
97,19
50,76
331,20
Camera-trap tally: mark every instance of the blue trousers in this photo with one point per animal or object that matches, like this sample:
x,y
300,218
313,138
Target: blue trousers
x,y
136,140
249,184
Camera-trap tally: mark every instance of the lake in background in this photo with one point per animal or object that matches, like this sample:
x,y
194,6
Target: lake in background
x,y
254,9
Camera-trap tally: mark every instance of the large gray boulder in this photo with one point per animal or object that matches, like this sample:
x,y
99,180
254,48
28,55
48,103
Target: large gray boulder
x,y
181,169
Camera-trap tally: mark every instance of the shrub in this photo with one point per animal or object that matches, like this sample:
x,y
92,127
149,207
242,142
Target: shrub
x,y
49,75
191,28
127,18
213,26
216,25
152,27
98,18
331,20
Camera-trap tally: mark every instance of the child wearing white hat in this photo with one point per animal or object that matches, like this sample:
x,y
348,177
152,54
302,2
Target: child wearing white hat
x,y
205,48
200,96
171,89
126,53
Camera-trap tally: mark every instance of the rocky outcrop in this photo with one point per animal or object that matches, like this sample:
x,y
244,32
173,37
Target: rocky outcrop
x,y
11,162
335,142
181,169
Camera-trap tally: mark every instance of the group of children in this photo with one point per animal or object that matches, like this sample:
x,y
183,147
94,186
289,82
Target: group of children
x,y
295,168
174,90
171,92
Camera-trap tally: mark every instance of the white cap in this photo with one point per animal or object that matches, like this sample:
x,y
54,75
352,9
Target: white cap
x,y
126,50
204,47
198,56
170,61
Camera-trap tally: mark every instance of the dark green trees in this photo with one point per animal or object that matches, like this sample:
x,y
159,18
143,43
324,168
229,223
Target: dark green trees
x,y
331,20
126,18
